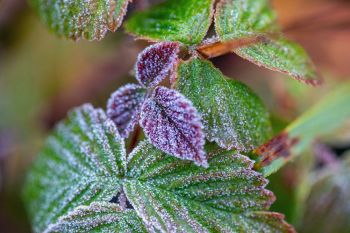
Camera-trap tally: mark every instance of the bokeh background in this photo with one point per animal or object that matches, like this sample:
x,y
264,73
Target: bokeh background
x,y
42,77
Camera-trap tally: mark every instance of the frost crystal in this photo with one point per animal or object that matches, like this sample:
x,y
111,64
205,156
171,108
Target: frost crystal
x,y
172,124
124,107
155,62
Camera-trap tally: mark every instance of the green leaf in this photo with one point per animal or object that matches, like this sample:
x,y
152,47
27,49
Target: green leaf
x,y
239,19
232,115
75,19
186,21
173,195
99,217
325,117
83,166
81,162
284,56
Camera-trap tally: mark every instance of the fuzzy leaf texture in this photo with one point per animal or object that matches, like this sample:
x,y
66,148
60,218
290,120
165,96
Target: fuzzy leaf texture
x,y
156,62
76,19
80,163
186,21
172,124
239,19
322,119
98,217
83,167
124,107
232,115
174,195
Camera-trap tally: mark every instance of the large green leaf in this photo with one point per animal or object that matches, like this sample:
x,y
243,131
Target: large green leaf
x,y
232,115
325,117
99,217
177,196
239,19
75,19
186,21
83,168
81,162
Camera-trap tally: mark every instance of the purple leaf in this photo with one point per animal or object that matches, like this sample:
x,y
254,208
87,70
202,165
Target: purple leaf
x,y
124,107
155,62
173,125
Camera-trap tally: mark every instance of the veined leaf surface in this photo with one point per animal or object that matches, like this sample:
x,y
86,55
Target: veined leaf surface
x,y
176,196
81,162
186,21
99,217
83,167
76,19
232,115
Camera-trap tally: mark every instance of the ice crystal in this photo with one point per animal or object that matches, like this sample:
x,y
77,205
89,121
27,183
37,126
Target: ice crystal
x,y
124,107
155,62
173,125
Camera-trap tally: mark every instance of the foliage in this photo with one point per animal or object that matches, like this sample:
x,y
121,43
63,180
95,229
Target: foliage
x,y
85,157
233,116
186,21
82,19
174,181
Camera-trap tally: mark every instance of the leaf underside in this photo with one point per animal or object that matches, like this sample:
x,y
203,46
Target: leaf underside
x,y
232,115
156,62
83,166
186,21
172,124
239,19
76,19
124,107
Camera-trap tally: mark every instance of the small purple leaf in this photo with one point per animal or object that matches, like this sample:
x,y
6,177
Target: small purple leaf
x,y
124,107
173,125
155,62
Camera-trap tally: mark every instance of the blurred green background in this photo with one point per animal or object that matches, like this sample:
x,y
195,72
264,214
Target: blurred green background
x,y
42,77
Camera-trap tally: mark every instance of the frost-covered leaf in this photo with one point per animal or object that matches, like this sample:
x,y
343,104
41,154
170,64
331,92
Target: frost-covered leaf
x,y
124,107
99,217
284,56
75,19
186,21
172,124
155,63
237,19
323,118
173,195
232,115
81,162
